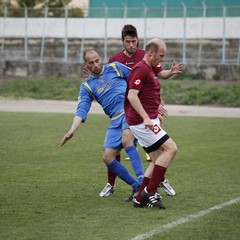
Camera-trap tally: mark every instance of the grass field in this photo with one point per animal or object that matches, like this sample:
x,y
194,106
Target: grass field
x,y
185,92
51,192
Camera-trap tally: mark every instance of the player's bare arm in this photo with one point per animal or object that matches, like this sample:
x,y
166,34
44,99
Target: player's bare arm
x,y
75,125
175,69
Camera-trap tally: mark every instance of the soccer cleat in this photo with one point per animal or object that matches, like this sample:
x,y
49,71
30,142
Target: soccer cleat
x,y
138,204
153,198
107,190
133,195
167,188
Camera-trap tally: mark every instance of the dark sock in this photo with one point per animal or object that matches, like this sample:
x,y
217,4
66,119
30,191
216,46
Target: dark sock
x,y
145,182
156,178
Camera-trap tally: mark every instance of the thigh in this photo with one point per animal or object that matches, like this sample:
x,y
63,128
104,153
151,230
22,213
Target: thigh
x,y
154,155
113,137
169,145
127,138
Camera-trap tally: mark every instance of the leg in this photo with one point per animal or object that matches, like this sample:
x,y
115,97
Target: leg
x,y
131,150
163,160
118,169
110,186
111,176
154,142
164,184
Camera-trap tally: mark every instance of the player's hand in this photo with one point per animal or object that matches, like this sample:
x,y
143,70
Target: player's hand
x,y
176,67
66,137
162,111
86,72
148,123
160,117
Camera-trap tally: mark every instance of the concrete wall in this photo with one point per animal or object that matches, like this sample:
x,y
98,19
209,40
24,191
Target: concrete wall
x,y
60,69
94,32
94,28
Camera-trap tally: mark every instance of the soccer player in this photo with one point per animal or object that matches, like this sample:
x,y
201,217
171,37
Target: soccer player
x,y
130,56
142,108
107,85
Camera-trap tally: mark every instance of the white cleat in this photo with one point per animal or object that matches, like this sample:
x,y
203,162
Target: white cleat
x,y
167,188
107,190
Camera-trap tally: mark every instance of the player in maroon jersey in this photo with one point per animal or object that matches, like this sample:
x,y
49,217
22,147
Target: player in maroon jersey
x,y
130,56
142,108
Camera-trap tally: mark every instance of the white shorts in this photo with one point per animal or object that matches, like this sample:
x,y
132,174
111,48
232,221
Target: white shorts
x,y
147,138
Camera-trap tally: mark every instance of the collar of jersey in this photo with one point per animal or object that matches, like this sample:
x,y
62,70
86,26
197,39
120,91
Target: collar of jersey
x,y
102,70
99,73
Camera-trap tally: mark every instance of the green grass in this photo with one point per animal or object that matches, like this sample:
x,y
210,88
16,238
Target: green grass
x,y
190,92
201,93
51,192
42,88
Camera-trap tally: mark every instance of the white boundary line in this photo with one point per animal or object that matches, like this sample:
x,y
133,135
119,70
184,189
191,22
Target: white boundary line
x,y
184,220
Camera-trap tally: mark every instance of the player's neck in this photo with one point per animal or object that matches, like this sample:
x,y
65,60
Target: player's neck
x,y
147,61
127,53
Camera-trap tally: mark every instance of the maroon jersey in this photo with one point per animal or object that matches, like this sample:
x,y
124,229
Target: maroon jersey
x,y
128,61
143,78
133,60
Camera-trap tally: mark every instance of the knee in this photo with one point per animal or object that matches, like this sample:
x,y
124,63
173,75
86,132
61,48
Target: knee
x,y
174,149
107,159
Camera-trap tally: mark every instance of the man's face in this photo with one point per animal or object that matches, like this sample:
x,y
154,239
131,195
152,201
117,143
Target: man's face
x,y
158,57
93,63
130,44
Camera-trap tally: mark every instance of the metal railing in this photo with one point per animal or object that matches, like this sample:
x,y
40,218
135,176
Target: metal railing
x,y
55,34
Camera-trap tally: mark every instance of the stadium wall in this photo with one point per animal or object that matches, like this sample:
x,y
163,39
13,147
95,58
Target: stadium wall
x,y
17,31
95,28
31,69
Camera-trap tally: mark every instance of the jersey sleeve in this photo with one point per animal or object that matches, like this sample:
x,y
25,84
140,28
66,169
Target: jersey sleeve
x,y
123,70
158,69
84,102
136,78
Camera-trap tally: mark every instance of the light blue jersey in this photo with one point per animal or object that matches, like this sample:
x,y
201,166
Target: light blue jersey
x,y
108,89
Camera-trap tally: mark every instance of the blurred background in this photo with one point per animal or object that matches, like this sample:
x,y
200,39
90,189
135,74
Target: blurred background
x,y
42,38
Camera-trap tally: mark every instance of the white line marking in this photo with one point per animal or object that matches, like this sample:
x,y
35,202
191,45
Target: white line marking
x,y
184,220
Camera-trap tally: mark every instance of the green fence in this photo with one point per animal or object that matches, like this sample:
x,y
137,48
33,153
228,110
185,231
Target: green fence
x,y
167,8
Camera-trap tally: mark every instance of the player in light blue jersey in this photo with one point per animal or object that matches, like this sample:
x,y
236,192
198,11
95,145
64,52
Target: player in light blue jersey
x,y
107,85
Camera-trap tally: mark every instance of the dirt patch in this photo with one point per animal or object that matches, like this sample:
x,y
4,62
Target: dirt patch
x,y
54,106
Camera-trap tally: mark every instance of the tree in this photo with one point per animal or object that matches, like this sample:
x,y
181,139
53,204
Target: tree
x,y
57,3
28,3
35,8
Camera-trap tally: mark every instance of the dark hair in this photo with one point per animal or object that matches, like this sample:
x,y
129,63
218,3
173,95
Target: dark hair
x,y
129,30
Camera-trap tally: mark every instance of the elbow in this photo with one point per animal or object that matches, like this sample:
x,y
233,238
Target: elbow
x,y
130,98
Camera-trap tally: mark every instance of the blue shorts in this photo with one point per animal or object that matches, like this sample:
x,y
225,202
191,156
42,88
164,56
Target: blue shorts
x,y
113,138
